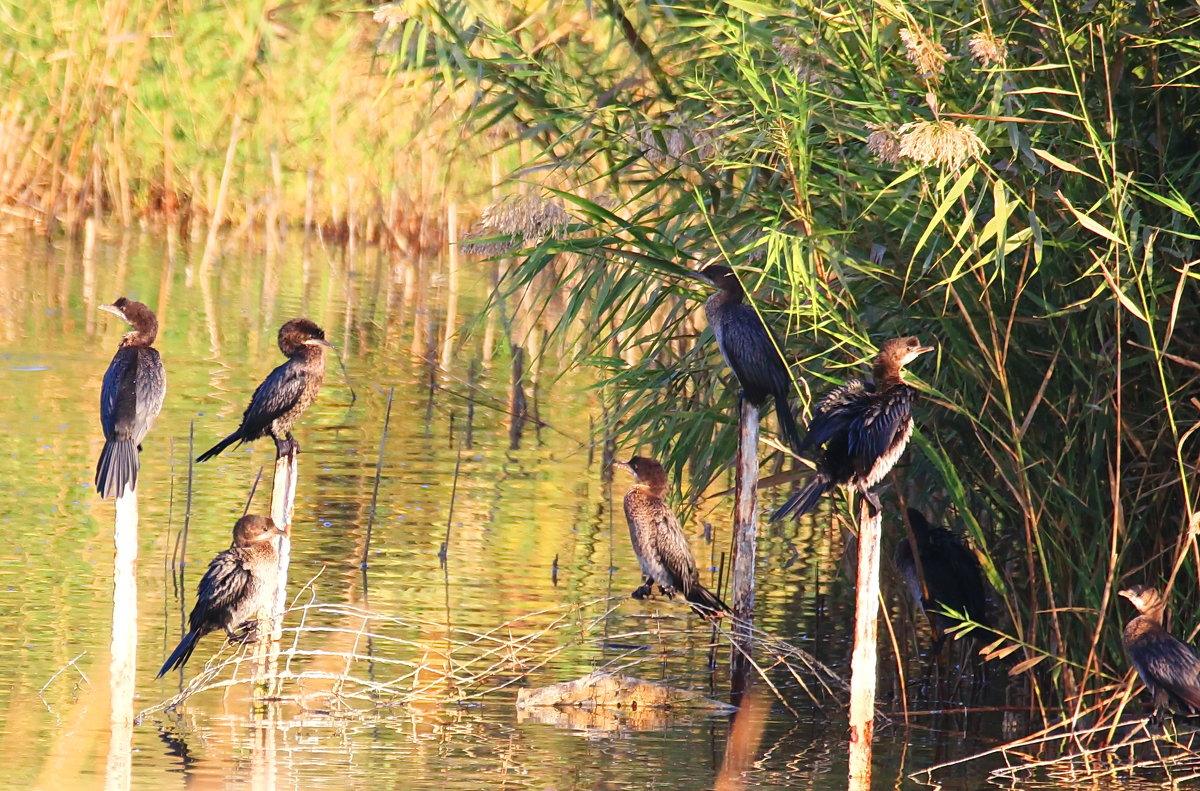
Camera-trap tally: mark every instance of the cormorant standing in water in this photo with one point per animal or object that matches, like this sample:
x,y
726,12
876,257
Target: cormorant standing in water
x,y
130,398
238,584
1169,668
953,576
863,428
285,393
750,350
658,541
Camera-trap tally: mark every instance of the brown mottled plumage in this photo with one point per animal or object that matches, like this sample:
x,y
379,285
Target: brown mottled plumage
x,y
659,542
286,392
1169,668
862,429
238,584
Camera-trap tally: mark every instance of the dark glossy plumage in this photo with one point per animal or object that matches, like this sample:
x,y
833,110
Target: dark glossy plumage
x,y
238,584
286,392
131,397
749,348
862,429
952,574
1168,667
659,542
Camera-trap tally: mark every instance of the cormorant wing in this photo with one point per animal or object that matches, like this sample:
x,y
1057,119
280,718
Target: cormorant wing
x,y
874,428
954,575
118,394
835,412
278,393
755,357
660,543
150,384
675,552
225,583
1163,661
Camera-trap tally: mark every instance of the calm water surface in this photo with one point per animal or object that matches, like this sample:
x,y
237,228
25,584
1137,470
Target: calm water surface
x,y
534,548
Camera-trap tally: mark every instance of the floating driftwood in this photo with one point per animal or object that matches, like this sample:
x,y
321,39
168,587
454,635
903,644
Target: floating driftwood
x,y
610,690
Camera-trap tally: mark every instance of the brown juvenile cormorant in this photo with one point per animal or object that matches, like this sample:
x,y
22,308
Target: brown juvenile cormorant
x,y
1169,668
863,428
130,398
659,542
953,576
750,349
238,584
285,393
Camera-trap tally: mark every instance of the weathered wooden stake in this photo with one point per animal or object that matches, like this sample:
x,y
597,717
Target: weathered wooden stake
x,y
863,660
283,503
745,535
123,646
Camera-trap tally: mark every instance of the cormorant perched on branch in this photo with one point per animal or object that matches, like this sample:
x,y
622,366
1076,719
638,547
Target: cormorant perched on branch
x,y
130,398
659,542
953,576
1169,668
238,584
285,393
750,350
862,428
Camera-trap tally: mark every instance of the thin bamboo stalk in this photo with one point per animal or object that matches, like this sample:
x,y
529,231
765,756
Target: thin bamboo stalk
x,y
451,283
214,225
745,534
863,660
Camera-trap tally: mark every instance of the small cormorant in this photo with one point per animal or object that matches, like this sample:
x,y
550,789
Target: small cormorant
x,y
238,584
953,576
285,393
1169,668
659,542
130,398
750,349
863,429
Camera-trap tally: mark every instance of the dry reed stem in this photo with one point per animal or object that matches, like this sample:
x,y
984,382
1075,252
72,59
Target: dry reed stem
x,y
473,665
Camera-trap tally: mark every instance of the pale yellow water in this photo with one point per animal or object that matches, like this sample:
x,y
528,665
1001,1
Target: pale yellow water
x,y
536,557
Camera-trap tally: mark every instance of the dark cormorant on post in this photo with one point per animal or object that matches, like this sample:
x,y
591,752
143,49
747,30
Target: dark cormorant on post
x,y
750,350
659,542
863,429
238,584
130,398
285,393
953,576
1169,668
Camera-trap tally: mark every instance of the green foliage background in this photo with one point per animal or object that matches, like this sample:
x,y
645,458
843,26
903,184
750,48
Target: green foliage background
x,y
1055,270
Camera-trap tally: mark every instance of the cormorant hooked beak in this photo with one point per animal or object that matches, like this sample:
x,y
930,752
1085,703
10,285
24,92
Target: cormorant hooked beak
x,y
624,465
113,309
318,342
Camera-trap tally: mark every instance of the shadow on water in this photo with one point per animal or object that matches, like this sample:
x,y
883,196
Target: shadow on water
x,y
496,557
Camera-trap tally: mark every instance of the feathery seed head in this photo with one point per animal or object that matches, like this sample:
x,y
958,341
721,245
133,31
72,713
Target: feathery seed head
x,y
525,220
926,54
941,143
883,143
987,48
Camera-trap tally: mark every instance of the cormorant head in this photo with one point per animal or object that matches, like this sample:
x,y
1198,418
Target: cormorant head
x,y
898,352
645,470
137,315
299,334
251,529
1147,600
920,525
722,277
